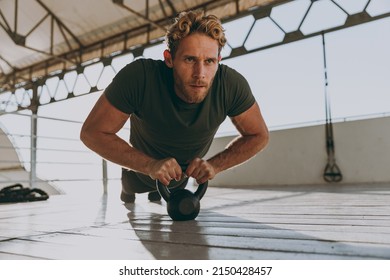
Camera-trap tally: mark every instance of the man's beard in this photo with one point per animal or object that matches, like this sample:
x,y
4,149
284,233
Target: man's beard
x,y
193,91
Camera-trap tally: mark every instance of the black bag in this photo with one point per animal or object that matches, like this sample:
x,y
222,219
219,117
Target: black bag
x,y
17,193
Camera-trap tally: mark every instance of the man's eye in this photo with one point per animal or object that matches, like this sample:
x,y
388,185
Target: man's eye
x,y
189,59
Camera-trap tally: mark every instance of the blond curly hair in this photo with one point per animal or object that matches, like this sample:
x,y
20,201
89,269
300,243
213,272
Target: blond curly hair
x,y
191,22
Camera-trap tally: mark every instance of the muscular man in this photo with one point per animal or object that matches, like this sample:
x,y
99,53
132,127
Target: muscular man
x,y
175,107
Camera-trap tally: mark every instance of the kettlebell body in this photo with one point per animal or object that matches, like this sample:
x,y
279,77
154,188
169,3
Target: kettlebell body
x,y
182,204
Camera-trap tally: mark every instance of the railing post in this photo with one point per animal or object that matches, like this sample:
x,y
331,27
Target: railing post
x,y
105,179
34,137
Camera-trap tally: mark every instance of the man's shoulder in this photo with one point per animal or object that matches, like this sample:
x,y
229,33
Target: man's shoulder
x,y
142,68
146,63
150,62
226,70
229,76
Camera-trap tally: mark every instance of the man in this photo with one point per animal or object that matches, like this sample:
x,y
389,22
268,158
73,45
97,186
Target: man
x,y
175,108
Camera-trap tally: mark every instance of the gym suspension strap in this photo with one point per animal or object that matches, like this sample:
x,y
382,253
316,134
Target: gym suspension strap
x,y
332,172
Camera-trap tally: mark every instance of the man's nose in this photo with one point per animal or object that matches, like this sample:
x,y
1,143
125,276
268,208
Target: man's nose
x,y
199,71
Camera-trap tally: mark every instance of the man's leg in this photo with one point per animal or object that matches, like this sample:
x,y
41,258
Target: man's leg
x,y
131,185
127,195
154,196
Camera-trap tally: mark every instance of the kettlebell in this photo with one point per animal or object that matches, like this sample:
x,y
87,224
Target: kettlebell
x,y
182,204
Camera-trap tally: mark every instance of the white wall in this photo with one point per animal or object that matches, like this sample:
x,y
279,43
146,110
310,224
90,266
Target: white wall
x,y
8,157
298,156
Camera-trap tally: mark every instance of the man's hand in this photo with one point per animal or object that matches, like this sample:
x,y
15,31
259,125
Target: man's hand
x,y
201,170
165,170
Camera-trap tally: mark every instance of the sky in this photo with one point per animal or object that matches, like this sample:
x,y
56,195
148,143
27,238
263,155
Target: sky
x,y
287,81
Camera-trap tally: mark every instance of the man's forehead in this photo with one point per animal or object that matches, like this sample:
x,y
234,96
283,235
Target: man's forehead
x,y
198,45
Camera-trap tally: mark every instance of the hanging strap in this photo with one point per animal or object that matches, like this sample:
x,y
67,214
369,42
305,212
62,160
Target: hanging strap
x,y
332,172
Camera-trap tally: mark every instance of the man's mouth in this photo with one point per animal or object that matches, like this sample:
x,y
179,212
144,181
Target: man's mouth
x,y
198,85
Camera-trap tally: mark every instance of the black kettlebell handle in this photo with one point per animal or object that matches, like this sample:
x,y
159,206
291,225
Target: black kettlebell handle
x,y
166,194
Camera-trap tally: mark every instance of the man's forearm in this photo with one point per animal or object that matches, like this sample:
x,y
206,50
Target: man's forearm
x,y
112,148
237,152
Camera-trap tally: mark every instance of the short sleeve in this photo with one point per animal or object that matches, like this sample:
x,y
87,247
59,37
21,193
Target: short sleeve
x,y
125,90
239,97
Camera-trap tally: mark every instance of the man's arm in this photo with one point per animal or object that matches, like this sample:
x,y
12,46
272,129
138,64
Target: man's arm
x,y
99,133
253,138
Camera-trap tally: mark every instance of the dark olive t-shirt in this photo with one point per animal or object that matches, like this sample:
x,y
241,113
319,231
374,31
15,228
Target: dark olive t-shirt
x,y
162,125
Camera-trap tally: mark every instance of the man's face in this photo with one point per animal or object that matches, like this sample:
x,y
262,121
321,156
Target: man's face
x,y
194,67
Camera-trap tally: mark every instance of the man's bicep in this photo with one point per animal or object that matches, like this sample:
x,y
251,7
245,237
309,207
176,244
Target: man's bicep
x,y
250,122
104,117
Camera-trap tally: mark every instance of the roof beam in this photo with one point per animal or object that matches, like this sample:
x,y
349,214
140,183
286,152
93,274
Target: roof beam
x,y
60,23
121,4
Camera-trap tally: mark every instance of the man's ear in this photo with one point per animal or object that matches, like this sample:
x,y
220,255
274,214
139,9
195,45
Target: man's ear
x,y
168,59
